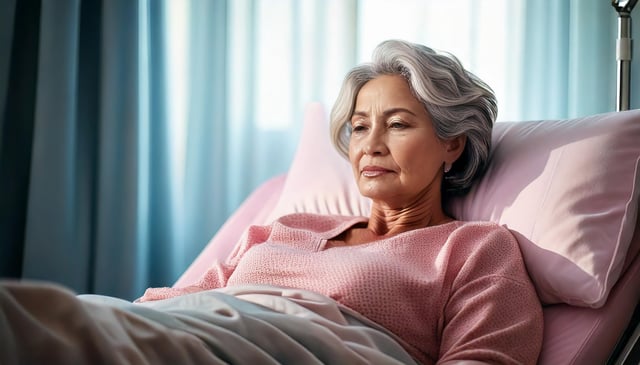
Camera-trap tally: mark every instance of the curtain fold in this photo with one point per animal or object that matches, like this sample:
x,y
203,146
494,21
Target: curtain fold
x,y
53,206
155,243
119,163
545,84
19,88
131,130
205,185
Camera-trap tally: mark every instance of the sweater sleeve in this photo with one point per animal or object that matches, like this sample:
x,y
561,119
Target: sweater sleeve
x,y
493,313
219,272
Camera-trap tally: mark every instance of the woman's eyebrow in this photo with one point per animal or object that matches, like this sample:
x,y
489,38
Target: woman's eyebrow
x,y
387,112
360,114
398,110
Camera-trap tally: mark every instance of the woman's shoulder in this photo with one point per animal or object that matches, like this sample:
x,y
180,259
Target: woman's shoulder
x,y
487,232
484,241
489,248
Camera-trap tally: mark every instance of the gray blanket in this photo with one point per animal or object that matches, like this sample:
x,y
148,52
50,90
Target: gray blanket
x,y
46,324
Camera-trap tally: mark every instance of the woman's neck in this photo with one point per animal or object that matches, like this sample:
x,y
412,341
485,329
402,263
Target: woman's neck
x,y
389,222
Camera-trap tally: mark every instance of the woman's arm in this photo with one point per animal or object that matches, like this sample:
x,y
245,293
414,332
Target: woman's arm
x,y
493,313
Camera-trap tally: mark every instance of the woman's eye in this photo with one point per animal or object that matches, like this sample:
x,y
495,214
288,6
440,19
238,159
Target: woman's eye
x,y
357,128
397,125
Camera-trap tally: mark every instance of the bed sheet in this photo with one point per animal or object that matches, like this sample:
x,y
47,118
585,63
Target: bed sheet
x,y
45,323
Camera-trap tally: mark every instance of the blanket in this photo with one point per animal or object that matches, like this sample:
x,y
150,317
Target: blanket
x,y
45,323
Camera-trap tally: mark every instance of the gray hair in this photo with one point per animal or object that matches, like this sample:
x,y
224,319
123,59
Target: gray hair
x,y
458,102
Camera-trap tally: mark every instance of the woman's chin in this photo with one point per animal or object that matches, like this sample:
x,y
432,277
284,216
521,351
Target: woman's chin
x,y
379,195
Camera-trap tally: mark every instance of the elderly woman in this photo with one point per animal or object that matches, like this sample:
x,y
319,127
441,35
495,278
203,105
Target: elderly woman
x,y
416,127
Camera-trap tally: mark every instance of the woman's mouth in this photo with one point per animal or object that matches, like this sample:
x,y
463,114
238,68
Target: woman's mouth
x,y
374,171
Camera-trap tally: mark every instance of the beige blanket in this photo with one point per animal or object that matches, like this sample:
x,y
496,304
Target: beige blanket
x,y
43,323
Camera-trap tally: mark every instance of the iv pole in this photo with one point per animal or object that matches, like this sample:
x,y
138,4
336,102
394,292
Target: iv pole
x,y
623,51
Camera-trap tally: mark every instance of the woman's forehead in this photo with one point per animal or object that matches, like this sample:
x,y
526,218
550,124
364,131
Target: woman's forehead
x,y
386,92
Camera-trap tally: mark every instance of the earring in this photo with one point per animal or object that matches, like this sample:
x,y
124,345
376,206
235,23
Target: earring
x,y
447,167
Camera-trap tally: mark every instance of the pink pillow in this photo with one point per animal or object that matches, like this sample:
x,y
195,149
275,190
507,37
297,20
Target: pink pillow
x,y
568,191
566,188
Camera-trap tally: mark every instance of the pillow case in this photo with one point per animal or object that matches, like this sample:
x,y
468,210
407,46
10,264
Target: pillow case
x,y
567,189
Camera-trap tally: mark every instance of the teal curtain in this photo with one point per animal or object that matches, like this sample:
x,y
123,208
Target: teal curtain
x,y
83,157
203,199
104,190
569,64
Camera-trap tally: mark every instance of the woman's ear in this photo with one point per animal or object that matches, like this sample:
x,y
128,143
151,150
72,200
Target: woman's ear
x,y
454,147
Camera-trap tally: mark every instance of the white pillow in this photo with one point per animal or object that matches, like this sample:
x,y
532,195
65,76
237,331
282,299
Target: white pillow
x,y
566,188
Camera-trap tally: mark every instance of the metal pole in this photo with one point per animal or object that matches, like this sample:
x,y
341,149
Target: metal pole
x,y
623,52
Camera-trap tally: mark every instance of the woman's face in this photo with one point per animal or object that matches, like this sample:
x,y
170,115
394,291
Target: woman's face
x,y
396,157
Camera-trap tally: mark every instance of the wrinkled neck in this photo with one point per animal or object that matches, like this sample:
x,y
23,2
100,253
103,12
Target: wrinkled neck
x,y
387,221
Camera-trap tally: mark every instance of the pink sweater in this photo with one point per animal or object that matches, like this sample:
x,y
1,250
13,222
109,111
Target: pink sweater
x,y
455,291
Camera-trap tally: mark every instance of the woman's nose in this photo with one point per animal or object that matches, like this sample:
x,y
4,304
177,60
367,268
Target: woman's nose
x,y
375,143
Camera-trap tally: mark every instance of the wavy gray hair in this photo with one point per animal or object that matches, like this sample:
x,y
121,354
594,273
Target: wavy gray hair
x,y
458,101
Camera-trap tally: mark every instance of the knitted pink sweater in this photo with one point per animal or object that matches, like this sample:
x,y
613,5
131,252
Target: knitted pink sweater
x,y
452,292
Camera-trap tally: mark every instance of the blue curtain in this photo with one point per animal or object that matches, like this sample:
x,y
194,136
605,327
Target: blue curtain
x,y
569,60
102,189
83,157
